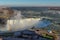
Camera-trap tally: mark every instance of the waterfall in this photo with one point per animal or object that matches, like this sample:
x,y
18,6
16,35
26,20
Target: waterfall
x,y
17,23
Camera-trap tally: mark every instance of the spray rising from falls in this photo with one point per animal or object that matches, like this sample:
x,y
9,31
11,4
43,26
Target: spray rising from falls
x,y
17,23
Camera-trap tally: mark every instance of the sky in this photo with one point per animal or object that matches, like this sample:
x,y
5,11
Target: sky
x,y
30,2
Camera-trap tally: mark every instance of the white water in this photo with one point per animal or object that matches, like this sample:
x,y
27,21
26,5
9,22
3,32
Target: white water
x,y
17,23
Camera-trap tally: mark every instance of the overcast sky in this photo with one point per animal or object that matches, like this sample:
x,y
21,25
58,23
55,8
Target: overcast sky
x,y
30,2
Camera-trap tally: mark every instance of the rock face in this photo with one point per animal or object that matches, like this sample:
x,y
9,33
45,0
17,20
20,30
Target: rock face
x,y
2,21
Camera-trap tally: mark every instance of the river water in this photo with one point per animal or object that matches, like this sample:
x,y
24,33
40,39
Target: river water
x,y
18,23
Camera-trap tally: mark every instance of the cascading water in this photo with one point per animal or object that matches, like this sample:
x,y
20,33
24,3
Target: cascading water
x,y
17,23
